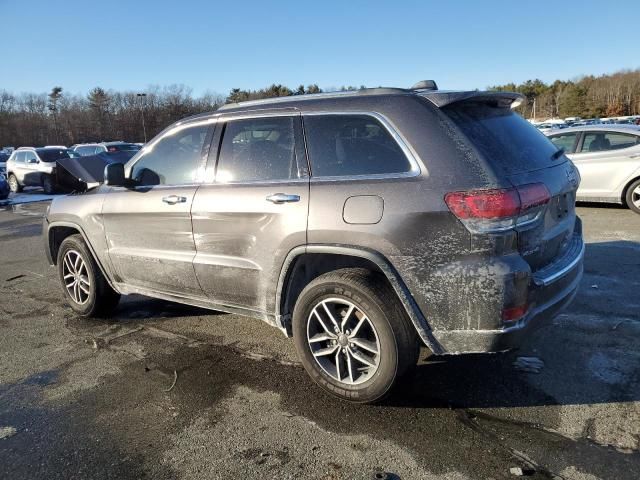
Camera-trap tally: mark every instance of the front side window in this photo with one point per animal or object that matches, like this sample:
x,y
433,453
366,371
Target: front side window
x,y
51,154
257,150
346,145
604,141
176,159
30,157
567,141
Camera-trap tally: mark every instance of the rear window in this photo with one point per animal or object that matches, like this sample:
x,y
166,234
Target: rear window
x,y
503,137
52,154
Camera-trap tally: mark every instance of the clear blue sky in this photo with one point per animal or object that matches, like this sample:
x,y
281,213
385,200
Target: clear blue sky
x,y
208,45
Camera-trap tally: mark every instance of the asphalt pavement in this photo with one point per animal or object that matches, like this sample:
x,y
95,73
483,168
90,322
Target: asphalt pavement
x,y
169,391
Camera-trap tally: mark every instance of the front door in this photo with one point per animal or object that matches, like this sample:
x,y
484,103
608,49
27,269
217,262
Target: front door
x,y
255,212
148,226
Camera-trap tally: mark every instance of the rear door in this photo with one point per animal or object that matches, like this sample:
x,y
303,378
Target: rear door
x,y
605,161
148,226
254,212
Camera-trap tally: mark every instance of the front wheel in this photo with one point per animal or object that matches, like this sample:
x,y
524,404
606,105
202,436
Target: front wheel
x,y
14,186
353,336
84,286
633,196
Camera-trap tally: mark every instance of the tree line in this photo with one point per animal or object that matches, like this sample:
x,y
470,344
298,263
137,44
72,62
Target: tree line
x,y
59,117
612,95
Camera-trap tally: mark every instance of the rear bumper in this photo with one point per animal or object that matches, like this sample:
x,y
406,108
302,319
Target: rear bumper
x,y
551,291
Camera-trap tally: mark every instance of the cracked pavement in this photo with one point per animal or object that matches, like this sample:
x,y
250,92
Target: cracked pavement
x,y
170,391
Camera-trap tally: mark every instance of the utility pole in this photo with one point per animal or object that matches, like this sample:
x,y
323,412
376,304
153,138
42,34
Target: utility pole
x,y
144,129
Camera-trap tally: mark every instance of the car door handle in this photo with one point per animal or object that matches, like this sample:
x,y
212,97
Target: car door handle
x,y
635,155
279,198
173,199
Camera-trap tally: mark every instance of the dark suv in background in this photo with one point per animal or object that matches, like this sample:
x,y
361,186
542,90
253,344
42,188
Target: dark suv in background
x,y
365,224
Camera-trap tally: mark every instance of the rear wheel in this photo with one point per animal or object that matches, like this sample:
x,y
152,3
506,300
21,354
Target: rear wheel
x,y
14,186
353,336
633,196
85,288
48,185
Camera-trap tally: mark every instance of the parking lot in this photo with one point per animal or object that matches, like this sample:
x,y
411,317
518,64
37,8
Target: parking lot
x,y
170,391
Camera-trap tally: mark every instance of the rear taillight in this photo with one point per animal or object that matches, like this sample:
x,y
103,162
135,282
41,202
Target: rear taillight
x,y
497,210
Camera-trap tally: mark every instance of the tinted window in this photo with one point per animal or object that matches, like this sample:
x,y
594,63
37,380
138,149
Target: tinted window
x,y
601,141
174,160
257,150
86,150
566,141
503,137
342,145
52,154
122,147
20,157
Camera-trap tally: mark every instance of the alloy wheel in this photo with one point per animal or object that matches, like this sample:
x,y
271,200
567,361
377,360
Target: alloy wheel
x,y
76,277
635,196
343,341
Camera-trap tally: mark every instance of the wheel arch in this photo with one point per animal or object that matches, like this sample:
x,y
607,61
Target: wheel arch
x,y
305,263
57,232
626,188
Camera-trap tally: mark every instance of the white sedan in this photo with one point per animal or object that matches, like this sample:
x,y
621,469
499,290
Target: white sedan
x,y
608,159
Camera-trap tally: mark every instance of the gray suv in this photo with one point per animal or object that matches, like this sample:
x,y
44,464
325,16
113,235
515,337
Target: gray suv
x,y
364,224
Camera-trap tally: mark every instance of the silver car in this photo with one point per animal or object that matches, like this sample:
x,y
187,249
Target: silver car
x,y
608,159
34,167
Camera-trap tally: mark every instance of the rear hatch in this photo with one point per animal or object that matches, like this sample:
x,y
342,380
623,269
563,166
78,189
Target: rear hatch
x,y
518,152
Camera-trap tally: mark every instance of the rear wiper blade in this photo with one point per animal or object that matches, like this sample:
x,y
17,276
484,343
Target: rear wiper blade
x,y
558,154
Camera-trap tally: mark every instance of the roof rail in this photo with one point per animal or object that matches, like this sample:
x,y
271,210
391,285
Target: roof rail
x,y
314,96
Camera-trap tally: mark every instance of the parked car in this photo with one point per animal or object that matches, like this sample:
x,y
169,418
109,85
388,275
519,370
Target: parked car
x,y
608,159
3,163
86,149
30,166
394,218
4,187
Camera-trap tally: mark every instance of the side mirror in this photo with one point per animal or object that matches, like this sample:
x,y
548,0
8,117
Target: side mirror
x,y
33,160
114,175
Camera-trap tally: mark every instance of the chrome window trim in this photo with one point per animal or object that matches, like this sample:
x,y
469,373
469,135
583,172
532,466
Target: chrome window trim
x,y
415,162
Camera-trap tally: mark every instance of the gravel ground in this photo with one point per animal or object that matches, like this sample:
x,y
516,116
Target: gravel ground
x,y
96,399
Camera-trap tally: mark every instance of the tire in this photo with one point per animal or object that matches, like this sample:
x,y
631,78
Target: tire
x,y
632,197
384,327
48,185
96,298
14,186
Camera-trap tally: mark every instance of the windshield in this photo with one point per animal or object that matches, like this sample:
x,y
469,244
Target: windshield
x,y
52,154
503,137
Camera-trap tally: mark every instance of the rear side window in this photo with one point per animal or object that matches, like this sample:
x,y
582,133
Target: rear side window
x,y
567,141
176,159
504,138
604,141
257,150
20,156
345,145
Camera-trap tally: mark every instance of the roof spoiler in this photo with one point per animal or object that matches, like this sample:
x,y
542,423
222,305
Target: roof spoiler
x,y
499,99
